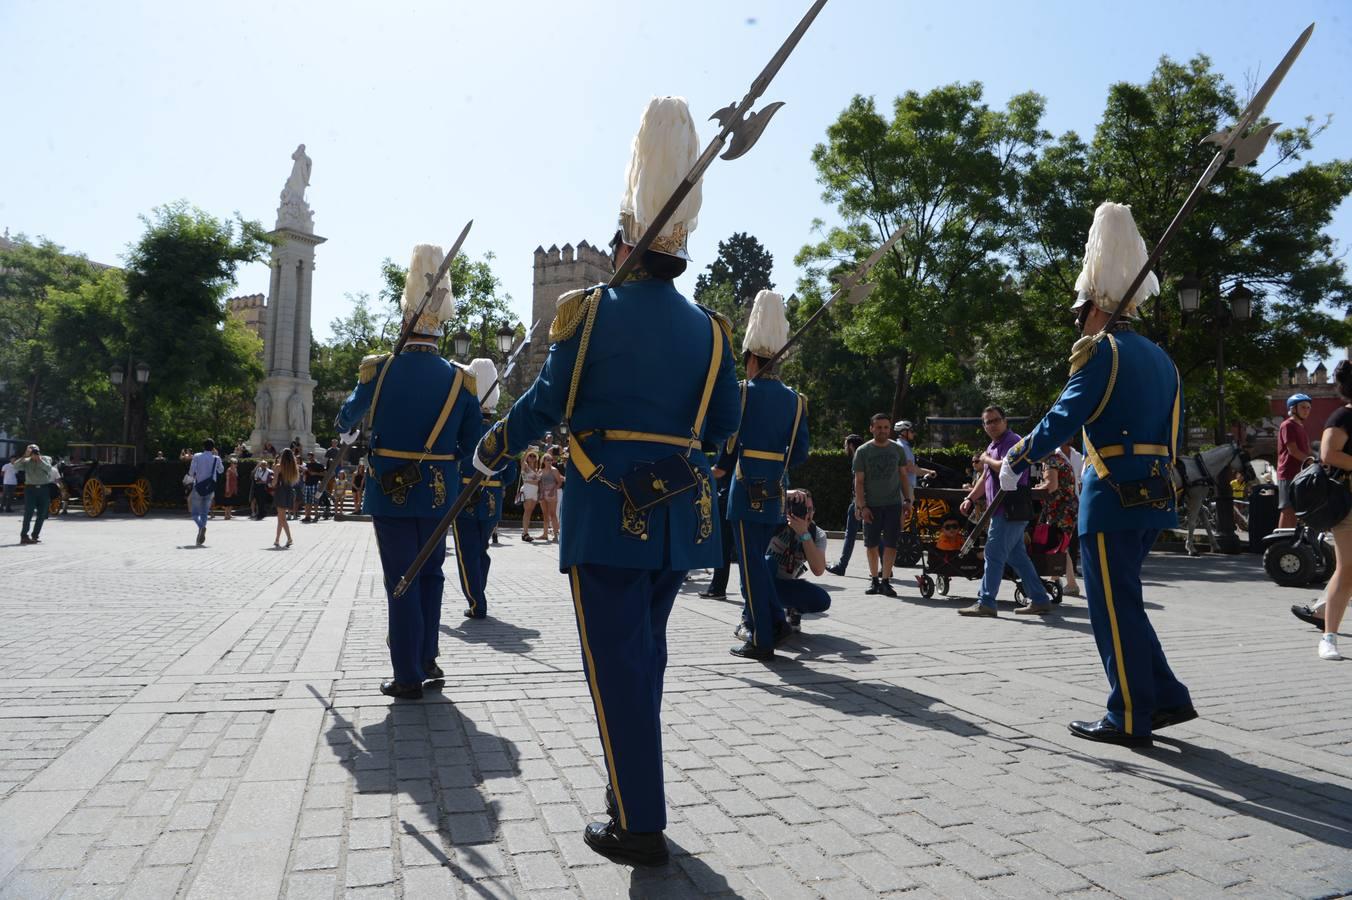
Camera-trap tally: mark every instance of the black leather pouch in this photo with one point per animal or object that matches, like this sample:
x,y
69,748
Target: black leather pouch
x,y
409,473
758,490
649,484
1147,492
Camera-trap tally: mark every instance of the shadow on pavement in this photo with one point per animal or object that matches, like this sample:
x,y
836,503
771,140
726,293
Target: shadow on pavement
x,y
814,645
1216,568
859,698
495,633
434,756
1318,810
684,876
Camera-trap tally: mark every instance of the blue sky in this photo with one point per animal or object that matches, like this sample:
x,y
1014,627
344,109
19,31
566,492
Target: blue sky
x,y
519,114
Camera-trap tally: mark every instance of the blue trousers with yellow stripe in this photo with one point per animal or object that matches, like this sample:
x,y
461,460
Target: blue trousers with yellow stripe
x,y
415,617
763,609
1138,674
622,625
472,561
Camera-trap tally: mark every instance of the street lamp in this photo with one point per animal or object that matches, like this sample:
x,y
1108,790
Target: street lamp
x,y
1241,303
1189,292
1238,309
461,341
506,338
128,379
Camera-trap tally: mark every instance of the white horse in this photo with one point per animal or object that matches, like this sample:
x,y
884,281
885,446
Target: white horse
x,y
1200,472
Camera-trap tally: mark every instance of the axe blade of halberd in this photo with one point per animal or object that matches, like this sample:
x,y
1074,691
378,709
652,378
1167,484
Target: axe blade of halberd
x,y
1248,147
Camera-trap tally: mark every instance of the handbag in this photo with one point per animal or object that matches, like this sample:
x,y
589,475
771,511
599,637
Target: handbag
x,y
1320,496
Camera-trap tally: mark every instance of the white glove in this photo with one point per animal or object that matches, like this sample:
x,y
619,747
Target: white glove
x,y
1009,479
348,438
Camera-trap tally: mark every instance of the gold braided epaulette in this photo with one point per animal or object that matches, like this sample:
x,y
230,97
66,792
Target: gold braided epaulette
x,y
721,319
1084,349
569,312
369,366
469,382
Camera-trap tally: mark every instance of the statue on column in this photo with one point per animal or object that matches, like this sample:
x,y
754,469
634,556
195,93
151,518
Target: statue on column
x,y
294,211
299,179
264,404
295,413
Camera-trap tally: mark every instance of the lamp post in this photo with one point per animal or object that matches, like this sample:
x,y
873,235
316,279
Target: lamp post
x,y
460,341
1238,309
128,380
506,338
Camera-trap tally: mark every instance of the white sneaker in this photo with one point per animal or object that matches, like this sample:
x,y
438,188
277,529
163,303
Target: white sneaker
x,y
1328,647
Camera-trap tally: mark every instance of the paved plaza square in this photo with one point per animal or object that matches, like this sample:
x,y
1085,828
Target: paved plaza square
x,y
200,723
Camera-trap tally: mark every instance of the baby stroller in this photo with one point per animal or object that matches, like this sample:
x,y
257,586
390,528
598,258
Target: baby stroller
x,y
943,560
1046,548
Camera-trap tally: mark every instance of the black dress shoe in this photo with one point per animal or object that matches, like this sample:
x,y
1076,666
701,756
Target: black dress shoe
x,y
713,595
639,848
836,569
751,651
401,691
432,671
1174,715
1108,733
1306,614
471,614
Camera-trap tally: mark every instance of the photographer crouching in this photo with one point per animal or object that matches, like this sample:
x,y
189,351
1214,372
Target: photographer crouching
x,y
796,547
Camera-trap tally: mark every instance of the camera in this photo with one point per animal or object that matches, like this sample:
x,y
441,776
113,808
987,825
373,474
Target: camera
x,y
798,507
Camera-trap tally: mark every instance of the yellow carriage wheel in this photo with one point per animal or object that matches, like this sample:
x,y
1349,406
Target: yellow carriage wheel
x,y
54,508
93,498
138,495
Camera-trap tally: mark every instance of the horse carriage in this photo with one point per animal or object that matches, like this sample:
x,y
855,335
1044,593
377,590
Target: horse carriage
x,y
97,475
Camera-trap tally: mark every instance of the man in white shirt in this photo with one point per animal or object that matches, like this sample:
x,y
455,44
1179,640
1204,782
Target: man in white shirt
x,y
204,469
11,474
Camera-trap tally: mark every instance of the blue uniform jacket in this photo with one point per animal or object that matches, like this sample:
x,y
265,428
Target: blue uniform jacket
x,y
410,401
759,450
1127,399
645,371
489,507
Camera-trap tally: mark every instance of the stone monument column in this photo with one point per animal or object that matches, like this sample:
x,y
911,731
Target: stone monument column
x,y
284,402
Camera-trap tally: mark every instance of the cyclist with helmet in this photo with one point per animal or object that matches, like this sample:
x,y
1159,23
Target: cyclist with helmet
x,y
1293,449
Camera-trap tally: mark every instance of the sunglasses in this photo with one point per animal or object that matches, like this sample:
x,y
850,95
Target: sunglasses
x,y
952,527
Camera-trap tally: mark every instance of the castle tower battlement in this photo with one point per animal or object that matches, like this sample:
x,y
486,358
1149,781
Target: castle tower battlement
x,y
557,271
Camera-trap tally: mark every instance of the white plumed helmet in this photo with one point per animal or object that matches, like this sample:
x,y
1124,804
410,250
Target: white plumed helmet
x,y
768,329
665,150
441,308
1113,255
485,376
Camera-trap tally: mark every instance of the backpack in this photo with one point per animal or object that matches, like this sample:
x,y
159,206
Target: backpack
x,y
1320,496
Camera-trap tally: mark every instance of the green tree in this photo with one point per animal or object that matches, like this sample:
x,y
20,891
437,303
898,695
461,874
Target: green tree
x,y
950,168
481,306
29,272
334,365
1262,226
178,275
730,283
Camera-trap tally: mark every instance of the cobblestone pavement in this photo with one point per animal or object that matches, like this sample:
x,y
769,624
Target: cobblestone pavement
x,y
204,723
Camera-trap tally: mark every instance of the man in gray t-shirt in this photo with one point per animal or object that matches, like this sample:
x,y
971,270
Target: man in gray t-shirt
x,y
881,495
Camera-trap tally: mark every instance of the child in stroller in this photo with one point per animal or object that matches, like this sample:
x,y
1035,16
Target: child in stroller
x,y
943,561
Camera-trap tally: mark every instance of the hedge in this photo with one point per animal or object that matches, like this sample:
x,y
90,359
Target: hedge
x,y
827,475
